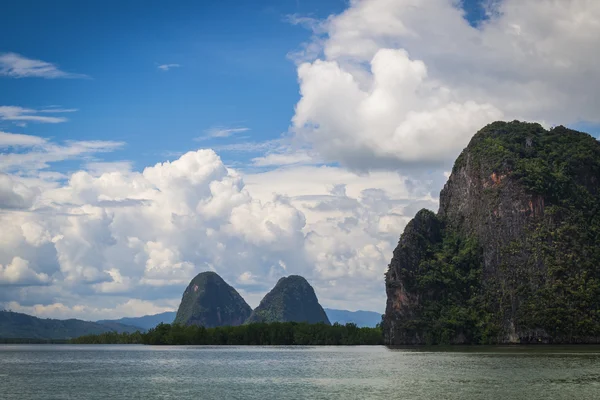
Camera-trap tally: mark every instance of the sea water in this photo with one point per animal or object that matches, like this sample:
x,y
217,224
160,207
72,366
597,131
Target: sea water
x,y
246,372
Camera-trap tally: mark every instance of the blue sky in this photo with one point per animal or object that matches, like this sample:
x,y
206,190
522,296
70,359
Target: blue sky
x,y
233,70
143,142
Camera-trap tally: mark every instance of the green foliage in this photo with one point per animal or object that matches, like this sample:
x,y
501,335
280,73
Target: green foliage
x,y
557,285
542,284
259,334
448,282
557,164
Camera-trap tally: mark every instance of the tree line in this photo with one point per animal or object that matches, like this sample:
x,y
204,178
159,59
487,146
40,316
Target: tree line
x,y
258,334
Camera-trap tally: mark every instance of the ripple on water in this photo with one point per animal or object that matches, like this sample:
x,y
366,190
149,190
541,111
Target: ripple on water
x,y
264,373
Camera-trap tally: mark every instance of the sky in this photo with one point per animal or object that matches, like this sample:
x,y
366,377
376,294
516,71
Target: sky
x,y
144,142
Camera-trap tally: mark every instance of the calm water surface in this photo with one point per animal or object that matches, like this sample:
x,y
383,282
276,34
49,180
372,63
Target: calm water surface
x,y
144,372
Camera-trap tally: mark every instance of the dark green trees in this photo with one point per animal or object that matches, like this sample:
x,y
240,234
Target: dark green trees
x,y
260,334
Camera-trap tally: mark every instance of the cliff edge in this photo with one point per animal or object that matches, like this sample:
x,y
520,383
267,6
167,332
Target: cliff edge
x,y
513,254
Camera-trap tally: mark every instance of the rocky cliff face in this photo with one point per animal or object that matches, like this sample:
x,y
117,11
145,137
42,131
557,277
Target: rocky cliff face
x,y
209,301
512,255
291,300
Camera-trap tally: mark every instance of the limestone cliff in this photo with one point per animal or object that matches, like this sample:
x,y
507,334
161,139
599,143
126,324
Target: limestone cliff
x,y
513,254
291,300
209,301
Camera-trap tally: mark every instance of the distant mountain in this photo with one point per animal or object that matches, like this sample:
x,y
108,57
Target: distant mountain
x,y
209,301
146,322
17,325
360,318
291,300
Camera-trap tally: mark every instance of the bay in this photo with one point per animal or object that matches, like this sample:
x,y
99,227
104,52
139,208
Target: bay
x,y
246,372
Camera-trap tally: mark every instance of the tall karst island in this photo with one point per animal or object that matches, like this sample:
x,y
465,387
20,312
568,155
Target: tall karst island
x,y
513,254
292,299
209,301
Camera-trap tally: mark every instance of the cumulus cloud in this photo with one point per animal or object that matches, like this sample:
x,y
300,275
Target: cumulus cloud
x,y
114,234
98,168
352,225
401,117
404,83
18,272
14,194
184,216
15,65
391,90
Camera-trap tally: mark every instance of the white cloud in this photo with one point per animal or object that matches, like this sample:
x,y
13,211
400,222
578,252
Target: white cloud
x,y
14,113
221,132
394,88
167,67
250,147
163,266
392,100
313,48
14,194
18,272
180,218
41,152
114,234
57,109
98,168
19,140
131,308
399,119
352,225
17,66
276,159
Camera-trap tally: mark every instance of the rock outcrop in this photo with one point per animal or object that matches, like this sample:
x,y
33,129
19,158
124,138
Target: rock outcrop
x,y
513,254
291,300
209,301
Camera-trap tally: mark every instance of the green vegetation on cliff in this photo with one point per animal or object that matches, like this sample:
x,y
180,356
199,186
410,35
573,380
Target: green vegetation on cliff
x,y
209,301
291,300
513,255
283,334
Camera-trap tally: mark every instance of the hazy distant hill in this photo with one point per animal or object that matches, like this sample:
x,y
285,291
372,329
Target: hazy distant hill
x,y
17,325
291,300
146,322
360,318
